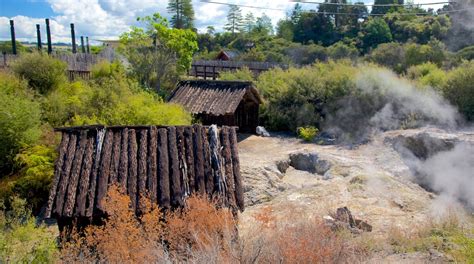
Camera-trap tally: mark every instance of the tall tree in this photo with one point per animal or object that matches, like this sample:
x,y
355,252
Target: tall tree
x,y
264,25
249,22
234,20
386,6
183,14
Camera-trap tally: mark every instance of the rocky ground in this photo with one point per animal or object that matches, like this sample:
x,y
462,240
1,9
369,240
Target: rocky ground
x,y
376,180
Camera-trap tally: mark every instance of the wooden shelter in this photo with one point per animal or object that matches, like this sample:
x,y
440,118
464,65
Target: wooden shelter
x,y
163,164
229,103
227,55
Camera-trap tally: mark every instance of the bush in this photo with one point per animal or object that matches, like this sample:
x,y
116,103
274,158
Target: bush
x,y
42,72
340,50
19,119
243,74
297,97
307,133
466,53
21,240
391,55
459,89
428,74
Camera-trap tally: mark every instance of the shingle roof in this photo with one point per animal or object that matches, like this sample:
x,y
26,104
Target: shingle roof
x,y
212,97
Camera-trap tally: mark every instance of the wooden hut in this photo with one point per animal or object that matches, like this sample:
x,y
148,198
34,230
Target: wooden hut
x,y
227,55
163,164
229,103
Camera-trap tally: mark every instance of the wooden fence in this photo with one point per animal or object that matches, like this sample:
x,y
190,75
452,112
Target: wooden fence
x,y
212,68
163,164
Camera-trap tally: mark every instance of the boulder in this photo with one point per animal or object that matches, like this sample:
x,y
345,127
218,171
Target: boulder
x,y
310,162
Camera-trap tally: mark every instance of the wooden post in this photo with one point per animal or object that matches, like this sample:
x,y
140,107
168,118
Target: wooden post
x,y
205,72
123,167
65,174
239,191
163,169
175,181
12,31
195,71
82,45
132,167
48,36
214,77
104,171
199,160
227,162
87,43
152,183
85,176
73,39
142,170
39,45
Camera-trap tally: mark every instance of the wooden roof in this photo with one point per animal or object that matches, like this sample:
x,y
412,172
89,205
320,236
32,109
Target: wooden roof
x,y
213,97
163,164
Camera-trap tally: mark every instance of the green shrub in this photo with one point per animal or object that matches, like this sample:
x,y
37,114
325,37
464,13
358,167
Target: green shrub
x,y
428,74
307,133
296,97
391,55
243,74
466,53
459,89
42,72
340,50
21,240
19,119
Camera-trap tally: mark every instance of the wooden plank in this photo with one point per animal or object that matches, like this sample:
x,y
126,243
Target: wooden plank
x,y
189,148
123,166
152,184
115,162
142,167
57,173
198,151
175,181
209,179
91,195
227,161
74,179
85,176
239,190
216,162
104,169
132,168
65,173
163,169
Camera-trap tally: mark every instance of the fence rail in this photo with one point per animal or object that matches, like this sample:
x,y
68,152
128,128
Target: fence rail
x,y
212,68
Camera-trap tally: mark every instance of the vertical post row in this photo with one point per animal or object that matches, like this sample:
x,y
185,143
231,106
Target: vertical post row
x,y
48,36
12,30
82,45
73,38
39,45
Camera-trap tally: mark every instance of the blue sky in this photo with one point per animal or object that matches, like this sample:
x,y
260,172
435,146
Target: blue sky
x,y
107,19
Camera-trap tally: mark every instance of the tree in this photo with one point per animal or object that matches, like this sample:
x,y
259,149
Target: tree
x,y
375,32
249,22
183,14
314,27
285,29
211,30
386,6
155,62
264,25
234,20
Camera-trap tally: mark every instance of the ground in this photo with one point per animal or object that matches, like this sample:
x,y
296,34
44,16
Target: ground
x,y
373,180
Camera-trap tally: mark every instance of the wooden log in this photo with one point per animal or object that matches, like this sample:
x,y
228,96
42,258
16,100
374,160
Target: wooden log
x,y
239,189
152,183
132,168
74,179
164,192
198,150
189,154
227,161
115,162
175,181
104,169
142,173
87,164
123,166
57,173
91,195
183,170
65,174
209,179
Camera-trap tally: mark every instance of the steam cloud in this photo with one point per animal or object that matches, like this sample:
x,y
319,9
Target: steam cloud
x,y
382,101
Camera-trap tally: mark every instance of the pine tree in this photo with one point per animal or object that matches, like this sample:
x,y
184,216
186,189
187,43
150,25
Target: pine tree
x,y
183,13
249,22
234,20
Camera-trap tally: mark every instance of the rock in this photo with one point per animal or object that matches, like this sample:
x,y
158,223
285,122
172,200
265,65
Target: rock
x,y
309,162
344,215
328,175
362,225
283,165
261,131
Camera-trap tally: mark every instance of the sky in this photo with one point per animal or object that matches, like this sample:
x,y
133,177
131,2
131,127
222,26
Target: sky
x,y
107,19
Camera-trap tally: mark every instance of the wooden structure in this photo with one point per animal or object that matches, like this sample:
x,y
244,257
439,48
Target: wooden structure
x,y
230,103
227,55
210,69
163,164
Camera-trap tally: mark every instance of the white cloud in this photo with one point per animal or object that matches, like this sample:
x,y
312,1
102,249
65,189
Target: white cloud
x,y
107,19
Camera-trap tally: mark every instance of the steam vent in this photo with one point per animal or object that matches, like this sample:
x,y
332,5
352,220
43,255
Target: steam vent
x,y
164,164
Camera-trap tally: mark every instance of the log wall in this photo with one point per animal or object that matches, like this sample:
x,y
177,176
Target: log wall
x,y
163,164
